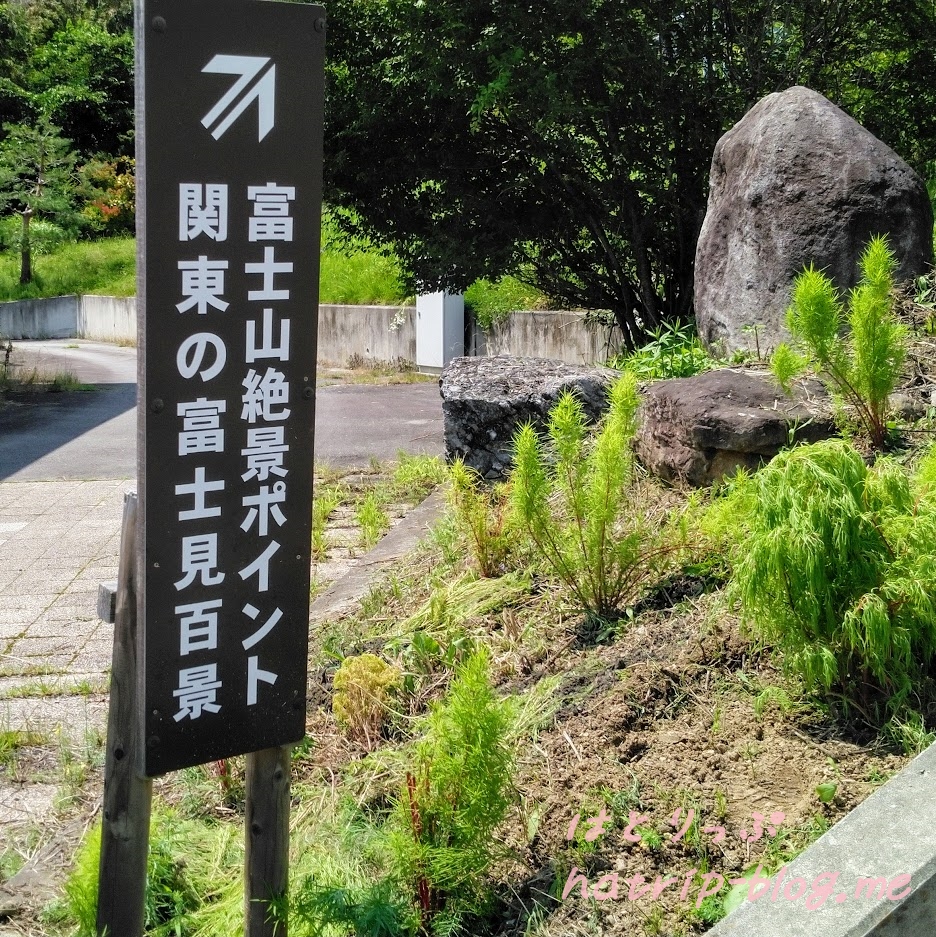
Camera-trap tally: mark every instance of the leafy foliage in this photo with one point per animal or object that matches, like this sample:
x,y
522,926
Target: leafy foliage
x,y
355,271
44,236
570,144
110,206
492,302
170,895
441,831
81,78
674,351
70,61
374,910
786,365
863,367
438,842
575,498
834,563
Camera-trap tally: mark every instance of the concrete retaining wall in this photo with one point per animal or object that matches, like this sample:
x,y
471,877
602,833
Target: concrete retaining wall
x,y
347,335
40,318
885,842
545,334
350,336
107,318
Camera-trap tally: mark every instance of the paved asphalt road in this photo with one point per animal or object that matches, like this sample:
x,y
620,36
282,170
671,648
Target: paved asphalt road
x,y
91,434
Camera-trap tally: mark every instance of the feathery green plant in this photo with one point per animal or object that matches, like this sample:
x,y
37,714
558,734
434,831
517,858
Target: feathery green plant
x,y
834,562
864,366
438,842
483,514
173,890
574,497
441,832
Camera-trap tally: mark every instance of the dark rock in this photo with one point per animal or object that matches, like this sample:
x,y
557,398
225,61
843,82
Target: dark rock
x,y
907,406
797,181
698,429
485,401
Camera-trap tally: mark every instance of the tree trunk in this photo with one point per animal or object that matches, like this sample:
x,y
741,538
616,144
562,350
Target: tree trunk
x,y
25,252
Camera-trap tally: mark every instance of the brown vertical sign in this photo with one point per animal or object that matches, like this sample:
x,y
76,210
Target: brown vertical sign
x,y
229,123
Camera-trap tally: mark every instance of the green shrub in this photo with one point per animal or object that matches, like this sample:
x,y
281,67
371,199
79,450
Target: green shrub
x,y
431,854
362,688
483,515
171,893
373,910
577,500
675,351
492,302
864,367
44,236
834,563
441,831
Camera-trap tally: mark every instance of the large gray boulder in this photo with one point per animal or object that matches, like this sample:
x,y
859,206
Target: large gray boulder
x,y
485,401
697,429
797,181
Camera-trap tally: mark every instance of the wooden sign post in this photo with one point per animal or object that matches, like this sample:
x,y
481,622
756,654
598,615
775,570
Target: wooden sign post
x,y
229,143
127,795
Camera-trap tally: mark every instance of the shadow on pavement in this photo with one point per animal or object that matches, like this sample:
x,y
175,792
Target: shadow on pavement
x,y
36,425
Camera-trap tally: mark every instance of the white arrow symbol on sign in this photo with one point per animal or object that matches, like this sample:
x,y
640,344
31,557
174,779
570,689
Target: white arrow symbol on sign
x,y
264,92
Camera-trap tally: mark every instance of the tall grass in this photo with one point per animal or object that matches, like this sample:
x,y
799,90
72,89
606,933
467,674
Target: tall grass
x,y
360,278
493,301
107,267
353,273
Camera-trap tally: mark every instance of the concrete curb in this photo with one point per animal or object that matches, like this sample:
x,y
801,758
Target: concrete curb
x,y
889,836
343,594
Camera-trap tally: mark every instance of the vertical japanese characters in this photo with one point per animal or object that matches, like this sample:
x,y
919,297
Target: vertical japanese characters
x,y
206,618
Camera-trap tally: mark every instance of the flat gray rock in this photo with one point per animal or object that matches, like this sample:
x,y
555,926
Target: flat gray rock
x,y
698,429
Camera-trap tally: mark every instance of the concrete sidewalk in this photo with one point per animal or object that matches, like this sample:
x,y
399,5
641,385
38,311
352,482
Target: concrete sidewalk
x,y
60,520
58,540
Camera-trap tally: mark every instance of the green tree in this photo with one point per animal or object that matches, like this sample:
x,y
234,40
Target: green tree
x,y
82,78
15,45
37,177
570,143
70,61
48,16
